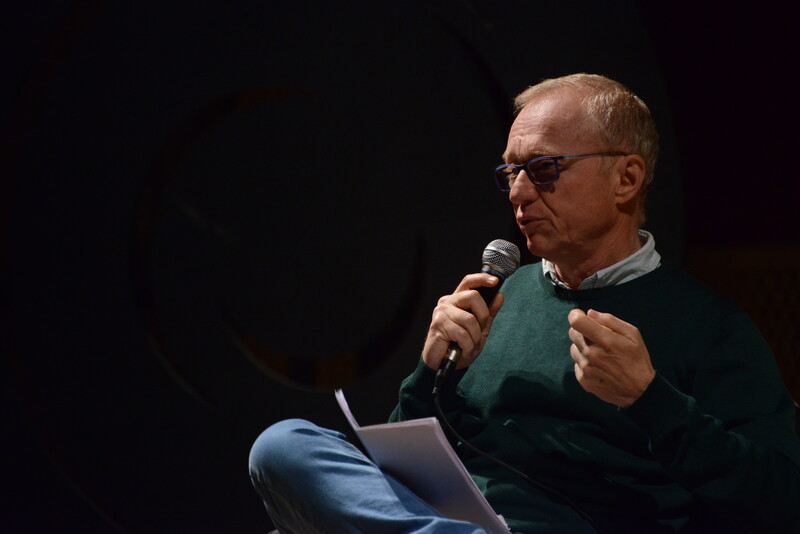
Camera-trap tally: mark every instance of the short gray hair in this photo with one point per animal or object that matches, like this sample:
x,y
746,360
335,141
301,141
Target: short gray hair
x,y
622,119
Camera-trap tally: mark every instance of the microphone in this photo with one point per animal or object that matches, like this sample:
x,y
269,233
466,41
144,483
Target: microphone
x,y
500,259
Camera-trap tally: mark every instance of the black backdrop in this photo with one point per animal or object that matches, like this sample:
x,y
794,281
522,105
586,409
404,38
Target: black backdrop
x,y
214,213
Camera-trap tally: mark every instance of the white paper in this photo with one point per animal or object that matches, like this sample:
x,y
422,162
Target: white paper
x,y
418,454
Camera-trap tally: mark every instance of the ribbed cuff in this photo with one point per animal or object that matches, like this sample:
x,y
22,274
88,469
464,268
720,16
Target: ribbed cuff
x,y
422,379
661,409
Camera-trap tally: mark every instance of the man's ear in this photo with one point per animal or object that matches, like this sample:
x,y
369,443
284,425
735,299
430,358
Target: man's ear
x,y
630,178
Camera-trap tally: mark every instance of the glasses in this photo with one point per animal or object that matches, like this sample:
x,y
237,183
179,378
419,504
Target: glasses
x,y
540,171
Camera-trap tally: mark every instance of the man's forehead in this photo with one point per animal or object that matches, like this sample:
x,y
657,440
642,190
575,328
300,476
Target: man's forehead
x,y
548,125
528,146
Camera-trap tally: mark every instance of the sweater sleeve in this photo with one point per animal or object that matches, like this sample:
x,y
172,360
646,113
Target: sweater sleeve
x,y
730,441
416,398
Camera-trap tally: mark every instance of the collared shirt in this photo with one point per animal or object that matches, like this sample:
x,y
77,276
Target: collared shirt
x,y
639,263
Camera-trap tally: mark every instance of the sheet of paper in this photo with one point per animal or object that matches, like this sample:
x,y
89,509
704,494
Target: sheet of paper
x,y
418,454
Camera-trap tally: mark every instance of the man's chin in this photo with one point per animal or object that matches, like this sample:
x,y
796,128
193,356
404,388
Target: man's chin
x,y
538,247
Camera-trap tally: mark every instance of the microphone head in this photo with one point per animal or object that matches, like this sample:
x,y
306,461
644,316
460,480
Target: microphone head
x,y
502,256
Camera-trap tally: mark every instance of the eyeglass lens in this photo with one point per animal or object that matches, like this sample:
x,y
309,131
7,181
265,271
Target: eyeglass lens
x,y
543,171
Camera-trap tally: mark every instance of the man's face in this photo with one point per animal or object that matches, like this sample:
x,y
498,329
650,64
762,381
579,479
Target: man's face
x,y
564,222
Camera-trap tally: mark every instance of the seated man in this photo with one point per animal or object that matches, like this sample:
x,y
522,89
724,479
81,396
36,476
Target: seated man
x,y
638,399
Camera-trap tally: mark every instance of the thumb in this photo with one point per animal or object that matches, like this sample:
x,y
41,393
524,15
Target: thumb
x,y
614,324
602,318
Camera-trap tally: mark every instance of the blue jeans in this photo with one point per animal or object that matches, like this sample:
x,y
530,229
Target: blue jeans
x,y
312,480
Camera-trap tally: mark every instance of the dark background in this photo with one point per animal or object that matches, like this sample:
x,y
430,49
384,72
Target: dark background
x,y
215,213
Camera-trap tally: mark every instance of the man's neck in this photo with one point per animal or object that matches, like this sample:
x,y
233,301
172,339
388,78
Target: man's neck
x,y
606,255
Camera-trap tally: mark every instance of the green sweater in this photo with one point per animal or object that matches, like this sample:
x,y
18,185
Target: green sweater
x,y
709,447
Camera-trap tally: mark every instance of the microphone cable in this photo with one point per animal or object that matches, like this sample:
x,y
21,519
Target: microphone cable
x,y
544,487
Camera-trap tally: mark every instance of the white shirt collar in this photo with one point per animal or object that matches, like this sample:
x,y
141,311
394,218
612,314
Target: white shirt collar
x,y
641,262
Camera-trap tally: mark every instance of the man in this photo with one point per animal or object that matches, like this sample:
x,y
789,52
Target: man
x,y
635,398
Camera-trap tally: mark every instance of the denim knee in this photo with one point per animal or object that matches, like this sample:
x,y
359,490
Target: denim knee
x,y
277,448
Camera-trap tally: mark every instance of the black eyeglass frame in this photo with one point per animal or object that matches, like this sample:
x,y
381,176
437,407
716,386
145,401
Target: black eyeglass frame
x,y
502,182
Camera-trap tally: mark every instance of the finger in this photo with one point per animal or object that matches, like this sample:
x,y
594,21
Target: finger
x,y
438,341
578,339
476,280
577,356
473,282
471,302
579,374
593,331
614,324
463,309
574,315
468,345
456,324
467,334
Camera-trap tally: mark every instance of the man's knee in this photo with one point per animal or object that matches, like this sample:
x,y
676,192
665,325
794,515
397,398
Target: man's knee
x,y
280,445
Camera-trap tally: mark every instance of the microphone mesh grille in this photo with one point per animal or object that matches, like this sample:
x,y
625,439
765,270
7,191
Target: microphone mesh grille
x,y
502,255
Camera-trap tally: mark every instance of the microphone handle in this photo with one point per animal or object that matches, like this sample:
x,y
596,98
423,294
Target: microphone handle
x,y
488,293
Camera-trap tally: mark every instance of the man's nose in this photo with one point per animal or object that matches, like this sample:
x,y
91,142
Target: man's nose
x,y
523,190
